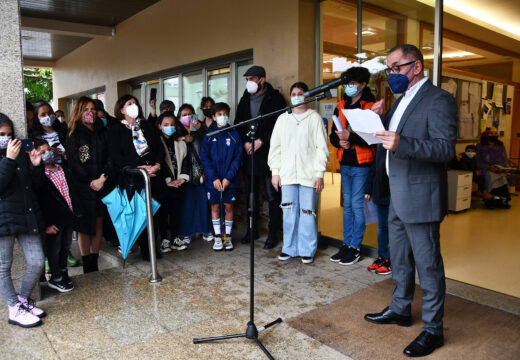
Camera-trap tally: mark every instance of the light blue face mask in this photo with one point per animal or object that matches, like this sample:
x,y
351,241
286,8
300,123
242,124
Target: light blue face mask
x,y
351,90
104,121
169,130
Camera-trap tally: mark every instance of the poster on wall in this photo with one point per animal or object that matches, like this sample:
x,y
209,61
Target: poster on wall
x,y
327,109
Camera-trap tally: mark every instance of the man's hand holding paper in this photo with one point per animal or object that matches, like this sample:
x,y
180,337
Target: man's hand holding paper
x,y
365,123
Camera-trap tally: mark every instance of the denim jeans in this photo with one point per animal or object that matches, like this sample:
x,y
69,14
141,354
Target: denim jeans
x,y
382,231
353,186
300,237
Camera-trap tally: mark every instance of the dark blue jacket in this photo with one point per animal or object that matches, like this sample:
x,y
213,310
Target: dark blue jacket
x,y
221,157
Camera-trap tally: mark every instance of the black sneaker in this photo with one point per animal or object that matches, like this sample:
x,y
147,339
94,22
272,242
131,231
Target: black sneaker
x,y
67,278
339,255
61,286
284,256
351,257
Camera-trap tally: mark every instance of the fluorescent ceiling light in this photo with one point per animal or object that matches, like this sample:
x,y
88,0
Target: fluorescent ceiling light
x,y
452,55
485,12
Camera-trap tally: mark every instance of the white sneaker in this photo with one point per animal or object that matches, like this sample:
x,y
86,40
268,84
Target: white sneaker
x,y
229,243
217,245
186,240
178,244
208,237
165,246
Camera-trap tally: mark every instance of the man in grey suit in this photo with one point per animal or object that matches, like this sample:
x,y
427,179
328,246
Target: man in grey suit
x,y
419,141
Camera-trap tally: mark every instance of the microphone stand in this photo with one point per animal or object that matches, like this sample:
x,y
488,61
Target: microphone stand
x,y
251,330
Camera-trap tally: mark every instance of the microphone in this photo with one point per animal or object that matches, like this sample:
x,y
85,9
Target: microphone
x,y
343,79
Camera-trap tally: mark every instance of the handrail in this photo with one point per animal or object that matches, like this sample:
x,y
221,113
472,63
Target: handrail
x,y
155,277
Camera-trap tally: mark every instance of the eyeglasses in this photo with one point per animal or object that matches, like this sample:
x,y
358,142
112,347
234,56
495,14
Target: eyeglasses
x,y
396,69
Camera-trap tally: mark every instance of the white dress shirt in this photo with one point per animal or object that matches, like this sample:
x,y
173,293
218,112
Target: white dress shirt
x,y
401,108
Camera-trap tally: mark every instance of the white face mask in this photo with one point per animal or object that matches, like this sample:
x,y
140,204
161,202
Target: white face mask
x,y
471,155
4,140
48,120
132,111
61,119
295,100
252,87
222,120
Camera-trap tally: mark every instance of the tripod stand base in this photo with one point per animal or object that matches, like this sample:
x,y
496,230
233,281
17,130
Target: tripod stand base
x,y
251,333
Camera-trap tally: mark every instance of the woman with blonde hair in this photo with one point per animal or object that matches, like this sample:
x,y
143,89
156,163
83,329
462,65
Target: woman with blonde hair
x,y
87,151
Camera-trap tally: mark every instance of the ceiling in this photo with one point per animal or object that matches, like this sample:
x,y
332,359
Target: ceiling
x,y
53,28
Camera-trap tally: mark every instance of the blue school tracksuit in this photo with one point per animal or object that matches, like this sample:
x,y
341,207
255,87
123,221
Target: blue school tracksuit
x,y
221,157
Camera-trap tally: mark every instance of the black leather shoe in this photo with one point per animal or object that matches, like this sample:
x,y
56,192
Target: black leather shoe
x,y
424,344
271,242
247,236
387,316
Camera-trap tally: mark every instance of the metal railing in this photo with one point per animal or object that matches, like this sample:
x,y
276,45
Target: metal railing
x,y
154,277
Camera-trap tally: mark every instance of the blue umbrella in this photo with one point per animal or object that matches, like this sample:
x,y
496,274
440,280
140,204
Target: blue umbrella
x,y
128,216
117,205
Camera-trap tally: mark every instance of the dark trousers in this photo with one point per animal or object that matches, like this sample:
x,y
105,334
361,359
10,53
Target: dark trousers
x,y
273,197
57,249
417,246
168,214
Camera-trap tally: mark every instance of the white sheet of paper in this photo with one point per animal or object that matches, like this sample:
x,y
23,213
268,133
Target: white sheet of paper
x,y
337,122
365,123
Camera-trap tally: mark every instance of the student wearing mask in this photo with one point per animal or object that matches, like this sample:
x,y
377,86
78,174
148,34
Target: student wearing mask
x,y
21,219
356,158
45,126
176,168
135,143
165,105
221,156
298,159
87,147
194,215
61,209
260,98
205,105
106,119
492,162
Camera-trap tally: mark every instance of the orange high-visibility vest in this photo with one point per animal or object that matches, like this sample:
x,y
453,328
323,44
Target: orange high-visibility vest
x,y
364,154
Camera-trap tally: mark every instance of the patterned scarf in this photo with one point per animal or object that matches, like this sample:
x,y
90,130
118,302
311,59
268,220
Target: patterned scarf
x,y
140,143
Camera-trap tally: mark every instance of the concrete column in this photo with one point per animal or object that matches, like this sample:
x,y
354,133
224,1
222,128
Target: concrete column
x,y
12,99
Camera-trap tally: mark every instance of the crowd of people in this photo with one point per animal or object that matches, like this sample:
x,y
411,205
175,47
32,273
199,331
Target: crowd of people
x,y
56,186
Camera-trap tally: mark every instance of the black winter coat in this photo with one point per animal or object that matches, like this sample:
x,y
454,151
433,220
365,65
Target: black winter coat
x,y
55,209
272,101
87,153
19,209
122,154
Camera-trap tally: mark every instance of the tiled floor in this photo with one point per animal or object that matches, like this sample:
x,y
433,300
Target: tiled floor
x,y
479,246
117,314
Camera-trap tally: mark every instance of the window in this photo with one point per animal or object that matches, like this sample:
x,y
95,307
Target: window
x,y
192,91
218,84
171,90
223,80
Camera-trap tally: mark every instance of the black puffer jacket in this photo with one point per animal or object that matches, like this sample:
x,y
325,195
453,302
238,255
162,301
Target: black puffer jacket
x,y
19,210
272,101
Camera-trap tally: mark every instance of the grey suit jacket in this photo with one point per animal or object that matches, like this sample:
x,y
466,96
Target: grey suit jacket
x,y
418,178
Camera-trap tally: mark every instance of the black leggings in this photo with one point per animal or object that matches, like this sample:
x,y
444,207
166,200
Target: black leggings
x,y
169,210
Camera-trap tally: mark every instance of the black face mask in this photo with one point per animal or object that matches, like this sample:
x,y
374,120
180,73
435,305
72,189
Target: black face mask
x,y
207,113
493,138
